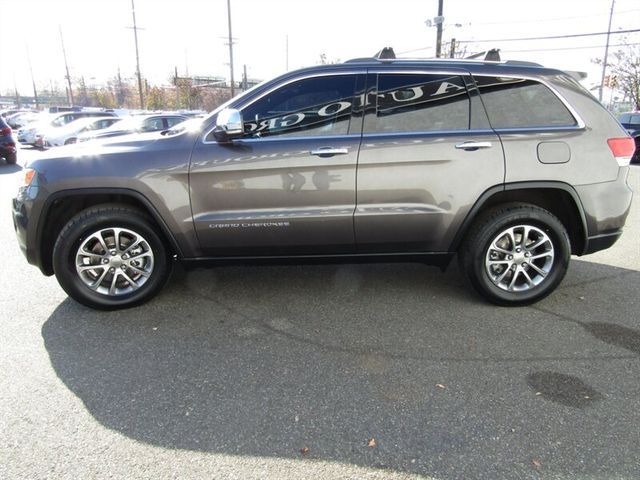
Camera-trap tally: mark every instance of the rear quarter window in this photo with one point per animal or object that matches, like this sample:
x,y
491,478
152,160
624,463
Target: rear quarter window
x,y
521,103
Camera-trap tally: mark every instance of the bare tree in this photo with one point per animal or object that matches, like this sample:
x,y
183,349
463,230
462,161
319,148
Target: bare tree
x,y
624,71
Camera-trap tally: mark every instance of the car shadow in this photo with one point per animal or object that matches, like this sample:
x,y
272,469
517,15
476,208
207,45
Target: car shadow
x,y
7,168
269,361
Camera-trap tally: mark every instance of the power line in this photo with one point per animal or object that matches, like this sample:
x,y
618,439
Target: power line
x,y
553,37
509,22
568,48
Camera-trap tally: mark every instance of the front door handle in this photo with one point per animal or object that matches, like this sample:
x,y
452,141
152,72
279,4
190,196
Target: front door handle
x,y
329,151
473,146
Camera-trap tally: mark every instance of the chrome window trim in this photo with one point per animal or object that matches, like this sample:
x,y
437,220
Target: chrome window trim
x,y
350,136
358,71
449,133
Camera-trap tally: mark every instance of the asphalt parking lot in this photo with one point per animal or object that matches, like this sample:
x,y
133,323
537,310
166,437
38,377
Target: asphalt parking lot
x,y
338,371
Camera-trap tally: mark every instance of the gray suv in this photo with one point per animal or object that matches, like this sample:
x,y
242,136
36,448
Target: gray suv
x,y
511,166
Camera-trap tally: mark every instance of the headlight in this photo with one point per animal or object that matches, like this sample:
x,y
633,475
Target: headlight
x,y
29,175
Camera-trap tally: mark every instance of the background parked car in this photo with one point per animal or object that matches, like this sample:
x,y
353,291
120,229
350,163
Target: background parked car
x,y
631,122
28,133
7,143
68,134
20,119
136,124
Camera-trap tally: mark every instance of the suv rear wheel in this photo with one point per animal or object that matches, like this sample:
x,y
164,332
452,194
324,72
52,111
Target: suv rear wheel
x,y
516,254
110,256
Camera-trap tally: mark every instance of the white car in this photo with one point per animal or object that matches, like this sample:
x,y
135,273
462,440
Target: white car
x,y
68,134
28,133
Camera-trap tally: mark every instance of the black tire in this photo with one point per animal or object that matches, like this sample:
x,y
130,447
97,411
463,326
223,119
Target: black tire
x,y
11,159
70,141
149,275
478,251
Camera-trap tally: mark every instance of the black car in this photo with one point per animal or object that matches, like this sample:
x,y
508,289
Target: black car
x,y
631,122
7,143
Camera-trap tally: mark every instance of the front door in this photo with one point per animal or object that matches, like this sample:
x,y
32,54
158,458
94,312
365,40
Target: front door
x,y
287,186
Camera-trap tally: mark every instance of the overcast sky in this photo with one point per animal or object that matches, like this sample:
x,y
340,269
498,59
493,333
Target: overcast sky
x,y
191,34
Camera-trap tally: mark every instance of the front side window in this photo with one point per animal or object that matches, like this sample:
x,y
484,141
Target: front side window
x,y
521,103
317,106
419,103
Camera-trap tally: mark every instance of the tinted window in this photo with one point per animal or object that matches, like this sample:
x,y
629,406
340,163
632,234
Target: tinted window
x,y
419,103
152,124
635,120
171,121
518,103
310,107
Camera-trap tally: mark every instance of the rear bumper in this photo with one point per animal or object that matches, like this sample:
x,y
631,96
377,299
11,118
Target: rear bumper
x,y
601,242
606,206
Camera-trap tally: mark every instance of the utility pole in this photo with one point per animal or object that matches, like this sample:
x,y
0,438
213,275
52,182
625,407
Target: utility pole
x,y
452,52
15,88
439,29
66,67
135,37
244,79
606,53
33,81
230,48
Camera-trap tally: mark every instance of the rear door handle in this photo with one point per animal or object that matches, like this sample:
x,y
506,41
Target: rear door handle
x,y
329,151
472,146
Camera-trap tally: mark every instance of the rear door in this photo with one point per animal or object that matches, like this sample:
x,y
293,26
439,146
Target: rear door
x,y
288,186
427,154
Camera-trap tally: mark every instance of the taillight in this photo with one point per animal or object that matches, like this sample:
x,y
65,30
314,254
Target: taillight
x,y
5,131
622,149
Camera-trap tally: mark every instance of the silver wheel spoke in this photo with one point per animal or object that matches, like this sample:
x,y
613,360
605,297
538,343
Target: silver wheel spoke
x,y
514,278
141,255
114,280
133,245
139,272
98,236
499,262
133,284
116,238
537,244
500,250
542,255
528,278
502,276
91,255
539,270
84,268
98,282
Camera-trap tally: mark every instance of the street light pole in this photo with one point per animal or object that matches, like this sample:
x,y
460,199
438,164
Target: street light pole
x,y
606,53
230,48
439,29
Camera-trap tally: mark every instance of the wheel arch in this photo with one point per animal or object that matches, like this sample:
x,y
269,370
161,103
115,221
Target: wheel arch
x,y
61,206
558,198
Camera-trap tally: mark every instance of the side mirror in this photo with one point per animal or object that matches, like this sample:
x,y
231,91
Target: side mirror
x,y
229,125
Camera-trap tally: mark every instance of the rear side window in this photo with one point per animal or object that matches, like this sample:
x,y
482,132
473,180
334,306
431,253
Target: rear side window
x,y
419,103
520,103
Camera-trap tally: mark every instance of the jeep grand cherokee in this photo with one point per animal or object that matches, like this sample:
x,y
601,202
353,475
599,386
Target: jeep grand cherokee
x,y
512,166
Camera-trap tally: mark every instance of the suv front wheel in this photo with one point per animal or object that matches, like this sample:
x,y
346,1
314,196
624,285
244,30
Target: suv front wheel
x,y
110,256
516,254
